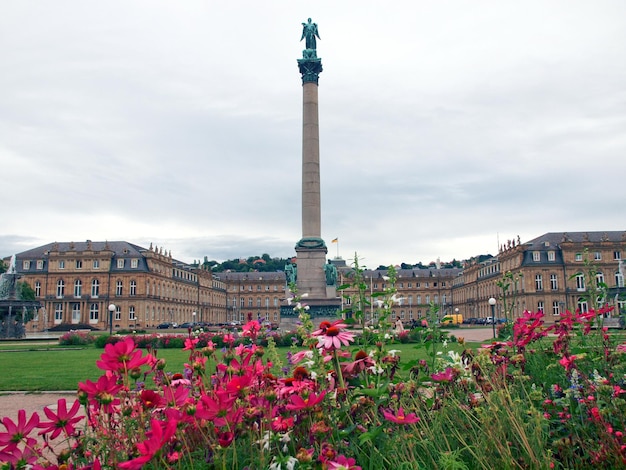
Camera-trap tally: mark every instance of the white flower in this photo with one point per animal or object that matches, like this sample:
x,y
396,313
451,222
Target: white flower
x,y
397,300
445,343
393,352
306,294
289,300
387,336
291,462
379,303
265,441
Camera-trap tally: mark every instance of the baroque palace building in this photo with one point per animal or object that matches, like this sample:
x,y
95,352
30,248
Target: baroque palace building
x,y
76,283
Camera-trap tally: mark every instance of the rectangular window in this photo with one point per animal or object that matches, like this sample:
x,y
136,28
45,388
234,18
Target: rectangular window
x,y
540,306
60,289
96,263
428,299
26,265
538,282
250,302
536,256
617,255
93,313
119,287
95,288
554,285
39,264
580,282
134,263
131,313
58,313
556,309
79,264
61,264
120,264
133,287
578,257
118,313
597,256
76,313
551,256
37,289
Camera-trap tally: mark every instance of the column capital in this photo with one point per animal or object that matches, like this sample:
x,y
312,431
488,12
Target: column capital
x,y
310,66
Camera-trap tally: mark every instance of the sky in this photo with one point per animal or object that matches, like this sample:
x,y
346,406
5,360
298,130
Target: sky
x,y
446,127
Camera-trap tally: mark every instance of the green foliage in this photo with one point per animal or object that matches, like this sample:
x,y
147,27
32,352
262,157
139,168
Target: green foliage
x,y
77,338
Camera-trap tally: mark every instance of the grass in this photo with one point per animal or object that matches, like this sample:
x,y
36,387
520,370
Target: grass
x,y
50,367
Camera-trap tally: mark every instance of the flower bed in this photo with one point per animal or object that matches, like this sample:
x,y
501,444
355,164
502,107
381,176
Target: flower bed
x,y
549,397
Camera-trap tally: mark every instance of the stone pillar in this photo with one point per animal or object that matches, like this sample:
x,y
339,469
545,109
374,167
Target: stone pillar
x,y
311,249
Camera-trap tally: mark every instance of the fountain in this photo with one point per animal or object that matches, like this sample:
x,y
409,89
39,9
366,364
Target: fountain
x,y
14,309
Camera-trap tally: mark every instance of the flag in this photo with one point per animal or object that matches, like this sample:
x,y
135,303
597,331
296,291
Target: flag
x,y
336,240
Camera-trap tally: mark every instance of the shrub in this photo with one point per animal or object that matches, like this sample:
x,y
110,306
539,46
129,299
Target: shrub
x,y
76,338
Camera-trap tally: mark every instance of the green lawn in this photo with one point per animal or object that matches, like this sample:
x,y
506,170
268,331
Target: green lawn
x,y
45,367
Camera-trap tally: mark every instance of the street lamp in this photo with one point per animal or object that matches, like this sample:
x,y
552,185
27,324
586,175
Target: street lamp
x,y
194,313
111,310
456,313
492,303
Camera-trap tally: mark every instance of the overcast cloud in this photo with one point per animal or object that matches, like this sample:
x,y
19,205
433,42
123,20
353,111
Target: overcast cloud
x,y
445,126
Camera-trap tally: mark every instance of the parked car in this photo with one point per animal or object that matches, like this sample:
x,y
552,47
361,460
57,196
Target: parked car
x,y
187,324
164,326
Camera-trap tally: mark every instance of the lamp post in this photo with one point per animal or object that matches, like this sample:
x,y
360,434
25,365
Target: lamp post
x,y
111,310
492,303
456,312
193,314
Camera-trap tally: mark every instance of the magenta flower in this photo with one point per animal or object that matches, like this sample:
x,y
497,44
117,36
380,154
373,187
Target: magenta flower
x,y
447,375
62,420
567,362
158,436
18,432
102,393
298,403
341,462
400,417
332,335
122,356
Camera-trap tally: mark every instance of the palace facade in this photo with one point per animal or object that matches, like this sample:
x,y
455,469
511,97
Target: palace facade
x,y
77,282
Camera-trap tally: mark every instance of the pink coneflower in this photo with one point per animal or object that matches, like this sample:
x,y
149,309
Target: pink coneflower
x,y
400,417
362,361
332,335
62,420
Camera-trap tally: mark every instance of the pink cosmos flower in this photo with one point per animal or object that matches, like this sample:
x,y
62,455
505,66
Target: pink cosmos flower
x,y
159,435
251,329
447,375
121,356
341,462
18,432
400,417
298,403
567,362
332,335
190,344
102,393
62,420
